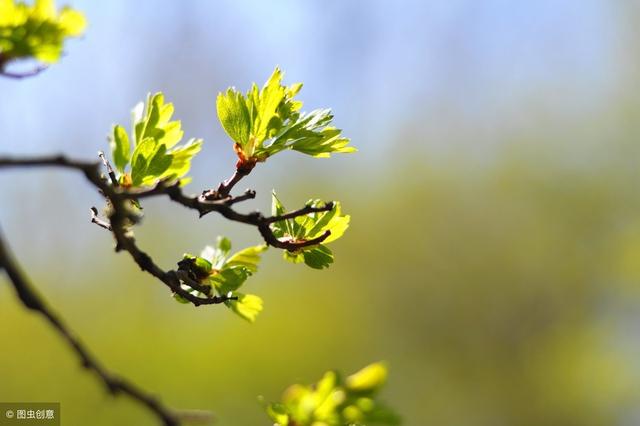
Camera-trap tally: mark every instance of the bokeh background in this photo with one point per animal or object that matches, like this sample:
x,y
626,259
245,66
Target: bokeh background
x,y
494,255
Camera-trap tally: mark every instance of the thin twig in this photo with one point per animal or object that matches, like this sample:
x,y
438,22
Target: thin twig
x,y
201,204
219,201
300,212
225,187
25,74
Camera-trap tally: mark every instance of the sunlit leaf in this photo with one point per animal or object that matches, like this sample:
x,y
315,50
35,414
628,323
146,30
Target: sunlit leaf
x,y
248,306
156,154
120,147
308,227
266,121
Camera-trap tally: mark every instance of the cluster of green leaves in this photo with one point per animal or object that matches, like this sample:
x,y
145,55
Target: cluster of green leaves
x,y
225,274
334,401
156,154
266,121
36,31
308,227
152,153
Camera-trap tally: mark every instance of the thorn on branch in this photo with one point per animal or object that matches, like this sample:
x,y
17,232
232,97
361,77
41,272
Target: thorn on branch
x,y
110,171
98,221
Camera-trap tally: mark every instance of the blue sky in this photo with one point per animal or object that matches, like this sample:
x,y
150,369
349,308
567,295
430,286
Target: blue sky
x,y
378,64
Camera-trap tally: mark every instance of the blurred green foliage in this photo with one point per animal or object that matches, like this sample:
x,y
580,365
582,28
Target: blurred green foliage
x,y
334,401
38,31
501,295
498,295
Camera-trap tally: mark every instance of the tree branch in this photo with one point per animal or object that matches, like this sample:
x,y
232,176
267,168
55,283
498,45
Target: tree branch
x,y
120,198
117,221
225,187
114,384
4,73
300,212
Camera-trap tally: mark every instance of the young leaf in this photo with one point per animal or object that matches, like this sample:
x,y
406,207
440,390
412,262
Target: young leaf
x,y
308,227
234,116
120,147
156,154
227,273
278,413
266,121
318,257
248,306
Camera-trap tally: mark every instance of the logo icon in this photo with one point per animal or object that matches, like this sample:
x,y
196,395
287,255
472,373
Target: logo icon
x,y
9,414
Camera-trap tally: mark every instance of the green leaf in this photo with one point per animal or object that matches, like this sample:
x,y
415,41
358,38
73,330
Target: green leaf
x,y
247,258
181,159
203,264
158,164
318,257
229,273
265,105
330,402
278,413
198,267
234,116
120,147
224,244
369,379
248,306
156,154
228,279
140,160
308,227
311,134
267,121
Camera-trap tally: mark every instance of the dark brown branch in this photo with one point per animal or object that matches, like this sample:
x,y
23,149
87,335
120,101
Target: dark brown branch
x,y
203,204
300,212
114,384
225,187
4,73
219,201
25,74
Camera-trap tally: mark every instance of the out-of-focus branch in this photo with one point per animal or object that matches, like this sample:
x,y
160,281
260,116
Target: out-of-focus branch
x,y
114,384
120,200
18,75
